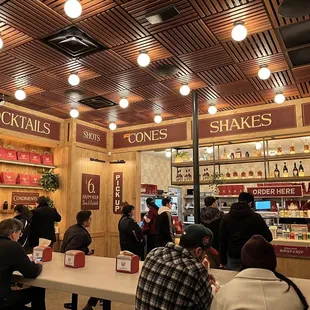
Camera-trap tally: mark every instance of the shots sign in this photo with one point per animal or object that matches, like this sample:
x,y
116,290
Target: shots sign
x,y
90,199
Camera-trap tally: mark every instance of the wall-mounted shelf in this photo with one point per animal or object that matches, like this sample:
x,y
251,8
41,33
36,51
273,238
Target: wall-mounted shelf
x,y
10,211
20,186
20,163
288,157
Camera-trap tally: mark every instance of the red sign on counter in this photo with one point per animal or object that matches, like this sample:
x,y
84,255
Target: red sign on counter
x,y
276,191
284,250
117,192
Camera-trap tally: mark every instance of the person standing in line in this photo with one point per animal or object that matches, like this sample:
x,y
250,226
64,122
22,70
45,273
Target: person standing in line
x,y
258,286
23,214
164,223
149,224
43,221
130,233
237,227
211,217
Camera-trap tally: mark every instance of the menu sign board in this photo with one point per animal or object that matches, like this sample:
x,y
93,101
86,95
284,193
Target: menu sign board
x,y
90,198
241,123
91,136
24,198
117,192
306,114
151,135
287,250
29,124
274,191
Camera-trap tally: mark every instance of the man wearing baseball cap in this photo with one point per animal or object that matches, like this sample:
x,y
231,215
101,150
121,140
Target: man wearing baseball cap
x,y
174,276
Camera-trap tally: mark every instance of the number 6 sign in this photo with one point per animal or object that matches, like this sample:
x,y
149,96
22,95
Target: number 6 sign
x,y
90,199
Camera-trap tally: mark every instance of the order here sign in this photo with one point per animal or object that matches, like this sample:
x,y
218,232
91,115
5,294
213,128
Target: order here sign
x,y
276,191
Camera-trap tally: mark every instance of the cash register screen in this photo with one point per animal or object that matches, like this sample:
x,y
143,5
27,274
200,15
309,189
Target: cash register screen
x,y
263,205
158,202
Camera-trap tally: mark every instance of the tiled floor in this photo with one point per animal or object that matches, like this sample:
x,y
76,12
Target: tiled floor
x,y
55,301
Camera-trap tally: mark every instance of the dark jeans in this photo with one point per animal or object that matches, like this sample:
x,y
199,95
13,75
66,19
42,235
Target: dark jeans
x,y
151,242
16,300
233,264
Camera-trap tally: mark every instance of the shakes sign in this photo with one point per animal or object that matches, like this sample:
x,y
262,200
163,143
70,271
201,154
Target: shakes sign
x,y
269,119
29,124
91,136
149,136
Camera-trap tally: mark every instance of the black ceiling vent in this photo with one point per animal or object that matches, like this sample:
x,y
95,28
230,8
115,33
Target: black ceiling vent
x,y
294,8
98,102
73,42
162,15
300,56
166,70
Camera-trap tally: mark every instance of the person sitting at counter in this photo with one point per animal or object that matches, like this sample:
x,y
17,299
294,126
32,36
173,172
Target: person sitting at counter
x,y
258,286
174,276
164,223
14,258
237,227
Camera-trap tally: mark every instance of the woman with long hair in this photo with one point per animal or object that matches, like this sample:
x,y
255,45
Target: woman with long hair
x,y
258,286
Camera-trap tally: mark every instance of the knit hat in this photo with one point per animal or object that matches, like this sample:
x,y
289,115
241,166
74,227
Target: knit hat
x,y
149,200
199,236
258,253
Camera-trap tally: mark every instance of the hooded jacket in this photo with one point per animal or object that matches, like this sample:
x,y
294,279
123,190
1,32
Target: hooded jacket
x,y
164,227
237,227
26,221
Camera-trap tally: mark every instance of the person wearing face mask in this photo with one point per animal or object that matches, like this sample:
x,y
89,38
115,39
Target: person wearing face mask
x,y
237,227
14,258
175,277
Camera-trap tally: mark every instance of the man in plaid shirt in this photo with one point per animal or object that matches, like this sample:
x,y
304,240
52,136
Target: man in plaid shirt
x,y
174,278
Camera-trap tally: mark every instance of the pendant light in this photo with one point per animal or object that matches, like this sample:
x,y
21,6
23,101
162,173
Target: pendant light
x,y
73,8
279,98
212,109
264,73
158,119
74,79
112,126
20,94
143,59
74,113
1,42
185,90
239,32
2,101
123,103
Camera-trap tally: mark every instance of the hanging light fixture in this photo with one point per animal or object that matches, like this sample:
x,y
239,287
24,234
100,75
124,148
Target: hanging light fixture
x,y
74,113
2,101
20,94
112,126
1,42
143,59
185,90
73,8
264,73
168,153
210,149
279,98
239,32
158,119
258,145
123,103
74,79
212,109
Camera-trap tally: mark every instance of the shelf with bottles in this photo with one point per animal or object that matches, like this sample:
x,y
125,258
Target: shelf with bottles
x,y
296,232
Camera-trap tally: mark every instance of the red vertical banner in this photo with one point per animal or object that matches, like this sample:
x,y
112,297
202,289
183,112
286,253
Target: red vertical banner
x,y
117,192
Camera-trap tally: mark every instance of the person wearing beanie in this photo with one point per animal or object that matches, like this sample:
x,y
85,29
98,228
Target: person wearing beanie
x,y
175,277
237,227
149,224
258,286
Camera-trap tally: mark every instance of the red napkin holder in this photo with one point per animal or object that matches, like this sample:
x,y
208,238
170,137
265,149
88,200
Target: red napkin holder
x,y
23,156
74,259
23,179
43,253
127,263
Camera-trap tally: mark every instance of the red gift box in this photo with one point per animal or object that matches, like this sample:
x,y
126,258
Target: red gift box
x,y
8,178
35,179
47,159
35,157
23,179
23,156
10,154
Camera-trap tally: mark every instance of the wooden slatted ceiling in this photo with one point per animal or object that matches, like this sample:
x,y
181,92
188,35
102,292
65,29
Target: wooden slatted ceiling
x,y
197,43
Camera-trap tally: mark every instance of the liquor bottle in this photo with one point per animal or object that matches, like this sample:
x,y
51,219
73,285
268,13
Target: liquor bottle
x,y
285,171
186,176
207,174
301,170
235,174
292,148
247,154
232,156
181,176
279,150
243,175
251,173
178,176
259,174
295,171
276,172
227,174
5,205
306,147
224,154
238,153
190,177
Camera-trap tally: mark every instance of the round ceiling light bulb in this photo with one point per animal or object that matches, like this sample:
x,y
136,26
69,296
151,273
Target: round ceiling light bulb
x,y
168,153
258,145
112,126
279,98
123,103
143,59
1,42
74,113
185,90
209,149
2,101
158,119
212,109
73,8
239,32
20,94
264,73
74,79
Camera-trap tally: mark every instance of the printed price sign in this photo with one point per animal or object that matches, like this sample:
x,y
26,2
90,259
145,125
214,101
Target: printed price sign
x,y
90,199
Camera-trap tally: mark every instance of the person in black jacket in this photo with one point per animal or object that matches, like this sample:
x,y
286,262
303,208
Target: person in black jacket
x,y
14,258
130,233
43,219
24,215
237,227
77,236
164,223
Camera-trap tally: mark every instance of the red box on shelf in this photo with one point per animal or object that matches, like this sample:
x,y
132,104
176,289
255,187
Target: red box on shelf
x,y
8,178
23,156
35,157
10,154
47,159
23,179
35,179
